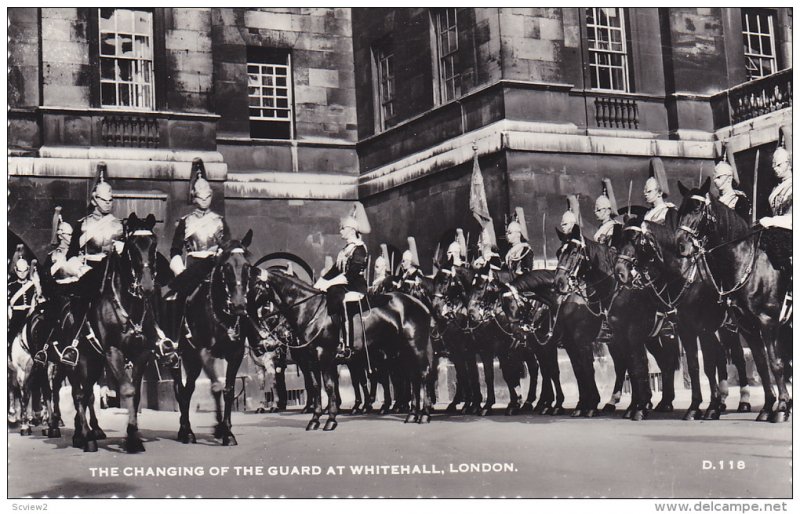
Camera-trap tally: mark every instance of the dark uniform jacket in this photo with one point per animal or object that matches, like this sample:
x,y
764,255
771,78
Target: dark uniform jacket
x,y
351,262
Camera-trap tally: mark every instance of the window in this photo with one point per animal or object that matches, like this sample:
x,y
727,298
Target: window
x,y
447,47
269,91
608,48
384,78
126,58
758,33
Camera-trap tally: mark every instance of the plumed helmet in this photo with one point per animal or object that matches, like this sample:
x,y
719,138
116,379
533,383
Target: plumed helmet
x,y
659,174
723,169
651,182
518,224
411,253
608,192
21,266
780,155
569,218
198,181
101,186
357,219
602,202
454,248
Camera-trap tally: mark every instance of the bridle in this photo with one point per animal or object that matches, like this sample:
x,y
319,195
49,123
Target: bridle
x,y
524,304
574,262
134,289
706,216
450,299
225,311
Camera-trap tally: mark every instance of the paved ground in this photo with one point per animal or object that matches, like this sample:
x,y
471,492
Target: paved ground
x,y
455,456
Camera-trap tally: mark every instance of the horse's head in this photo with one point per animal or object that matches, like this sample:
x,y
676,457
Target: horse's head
x,y
573,260
232,274
483,293
139,253
449,291
630,248
695,218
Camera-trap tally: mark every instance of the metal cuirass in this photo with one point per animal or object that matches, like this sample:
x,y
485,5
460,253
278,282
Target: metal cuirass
x,y
98,233
204,231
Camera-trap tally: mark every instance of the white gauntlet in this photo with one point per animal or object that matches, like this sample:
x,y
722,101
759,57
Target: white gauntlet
x,y
176,265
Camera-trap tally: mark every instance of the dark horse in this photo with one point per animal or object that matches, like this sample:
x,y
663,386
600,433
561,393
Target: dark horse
x,y
631,320
395,325
217,317
518,338
649,260
452,290
123,318
728,254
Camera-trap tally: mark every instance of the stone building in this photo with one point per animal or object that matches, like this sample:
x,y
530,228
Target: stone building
x,y
298,111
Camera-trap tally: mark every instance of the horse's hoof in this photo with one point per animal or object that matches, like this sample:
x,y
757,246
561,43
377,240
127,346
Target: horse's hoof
x,y
590,413
99,434
262,410
25,431
628,413
609,408
763,415
410,418
53,433
557,411
639,415
384,410
368,409
330,425
452,408
90,447
577,413
711,414
186,436
512,410
744,407
779,416
312,425
540,408
526,407
134,445
722,408
664,407
78,442
356,411
275,410
220,431
229,440
691,415
424,418
485,411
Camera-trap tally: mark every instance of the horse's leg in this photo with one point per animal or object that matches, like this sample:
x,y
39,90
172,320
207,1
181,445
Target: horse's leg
x,y
316,388
711,363
474,397
590,399
639,374
730,340
56,377
769,335
532,361
234,361
757,346
183,393
578,370
134,441
620,368
459,364
217,388
81,388
327,364
487,358
357,378
511,369
96,371
665,351
23,382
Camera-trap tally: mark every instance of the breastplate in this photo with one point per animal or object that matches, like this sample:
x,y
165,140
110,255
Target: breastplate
x,y
203,231
100,232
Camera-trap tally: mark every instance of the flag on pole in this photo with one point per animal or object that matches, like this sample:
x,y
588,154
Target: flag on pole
x,y
478,203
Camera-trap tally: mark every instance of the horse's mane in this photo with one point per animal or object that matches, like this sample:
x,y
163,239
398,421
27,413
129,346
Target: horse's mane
x,y
602,255
729,225
538,281
663,235
297,282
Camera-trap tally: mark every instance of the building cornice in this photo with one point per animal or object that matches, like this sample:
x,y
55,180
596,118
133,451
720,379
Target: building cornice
x,y
294,186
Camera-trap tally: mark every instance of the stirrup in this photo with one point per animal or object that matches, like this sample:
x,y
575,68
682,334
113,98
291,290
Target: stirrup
x,y
344,352
40,358
70,356
786,309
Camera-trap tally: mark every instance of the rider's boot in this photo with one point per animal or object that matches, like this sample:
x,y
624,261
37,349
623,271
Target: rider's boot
x,y
343,351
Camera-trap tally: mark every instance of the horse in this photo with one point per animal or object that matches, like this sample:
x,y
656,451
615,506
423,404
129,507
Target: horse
x,y
650,253
30,381
727,252
123,318
627,314
217,317
451,292
394,324
514,344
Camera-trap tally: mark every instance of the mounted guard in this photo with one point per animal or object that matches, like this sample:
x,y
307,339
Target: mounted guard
x,y
519,257
22,293
777,238
200,234
655,190
411,274
605,209
725,176
347,275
